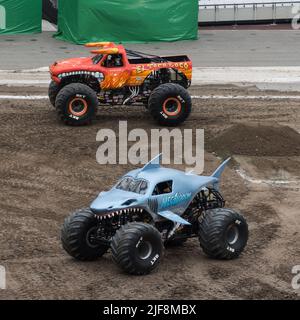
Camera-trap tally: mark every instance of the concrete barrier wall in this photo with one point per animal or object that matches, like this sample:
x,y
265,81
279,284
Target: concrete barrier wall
x,y
247,12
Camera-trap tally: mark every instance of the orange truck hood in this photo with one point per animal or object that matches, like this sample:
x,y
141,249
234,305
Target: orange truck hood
x,y
73,64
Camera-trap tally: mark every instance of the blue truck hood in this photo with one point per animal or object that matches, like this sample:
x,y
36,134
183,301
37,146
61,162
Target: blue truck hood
x,y
116,199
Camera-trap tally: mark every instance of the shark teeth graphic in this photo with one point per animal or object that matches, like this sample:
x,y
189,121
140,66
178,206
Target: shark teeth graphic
x,y
119,213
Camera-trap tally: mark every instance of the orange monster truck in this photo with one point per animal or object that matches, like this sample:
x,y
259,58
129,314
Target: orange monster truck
x,y
116,76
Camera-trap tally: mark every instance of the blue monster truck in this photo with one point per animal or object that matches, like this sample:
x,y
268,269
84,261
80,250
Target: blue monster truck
x,y
152,207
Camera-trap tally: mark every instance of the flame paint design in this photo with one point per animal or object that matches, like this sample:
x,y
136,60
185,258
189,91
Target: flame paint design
x,y
115,80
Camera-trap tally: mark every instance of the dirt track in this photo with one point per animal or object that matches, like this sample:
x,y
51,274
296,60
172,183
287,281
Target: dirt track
x,y
47,170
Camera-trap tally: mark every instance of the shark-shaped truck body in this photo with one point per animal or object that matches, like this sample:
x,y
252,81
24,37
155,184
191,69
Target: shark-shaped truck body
x,y
152,206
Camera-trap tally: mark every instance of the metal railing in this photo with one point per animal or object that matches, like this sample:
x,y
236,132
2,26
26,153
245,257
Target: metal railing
x,y
237,8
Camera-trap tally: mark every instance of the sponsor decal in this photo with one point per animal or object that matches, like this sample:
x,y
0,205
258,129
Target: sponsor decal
x,y
181,65
171,201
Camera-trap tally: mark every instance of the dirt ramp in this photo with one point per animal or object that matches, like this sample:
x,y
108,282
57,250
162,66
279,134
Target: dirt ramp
x,y
257,140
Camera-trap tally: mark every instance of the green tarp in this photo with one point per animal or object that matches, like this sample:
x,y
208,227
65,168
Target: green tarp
x,y
82,21
20,16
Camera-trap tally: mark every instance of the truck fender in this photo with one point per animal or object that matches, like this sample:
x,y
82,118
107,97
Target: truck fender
x,y
173,217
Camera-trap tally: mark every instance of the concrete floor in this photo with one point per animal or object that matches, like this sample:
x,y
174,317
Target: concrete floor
x,y
214,48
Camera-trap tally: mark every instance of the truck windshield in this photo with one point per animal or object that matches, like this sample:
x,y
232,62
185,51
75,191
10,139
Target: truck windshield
x,y
134,185
97,58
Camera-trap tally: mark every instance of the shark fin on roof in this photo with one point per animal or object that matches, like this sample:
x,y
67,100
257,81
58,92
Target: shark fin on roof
x,y
154,163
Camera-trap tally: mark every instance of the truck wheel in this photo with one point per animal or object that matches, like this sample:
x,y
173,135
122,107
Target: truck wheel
x,y
223,233
137,248
53,91
76,104
78,236
170,104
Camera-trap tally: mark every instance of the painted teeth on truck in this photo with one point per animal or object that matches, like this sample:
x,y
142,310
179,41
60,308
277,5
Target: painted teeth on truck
x,y
118,213
94,74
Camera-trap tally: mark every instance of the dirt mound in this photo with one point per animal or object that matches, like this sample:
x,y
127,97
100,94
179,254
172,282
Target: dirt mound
x,y
257,140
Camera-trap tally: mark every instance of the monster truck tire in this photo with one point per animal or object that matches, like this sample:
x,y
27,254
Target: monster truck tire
x,y
53,92
170,104
223,233
76,236
76,104
137,248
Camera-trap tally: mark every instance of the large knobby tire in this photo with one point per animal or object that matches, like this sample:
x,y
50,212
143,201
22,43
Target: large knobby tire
x,y
223,233
137,248
53,91
78,236
76,104
170,104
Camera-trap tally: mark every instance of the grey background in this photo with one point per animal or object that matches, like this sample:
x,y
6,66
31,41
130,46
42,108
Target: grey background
x,y
214,48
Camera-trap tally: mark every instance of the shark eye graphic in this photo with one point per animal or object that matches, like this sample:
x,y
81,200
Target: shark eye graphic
x,y
128,202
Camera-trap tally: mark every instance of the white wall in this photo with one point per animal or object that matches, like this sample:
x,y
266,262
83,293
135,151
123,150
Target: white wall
x,y
204,2
254,12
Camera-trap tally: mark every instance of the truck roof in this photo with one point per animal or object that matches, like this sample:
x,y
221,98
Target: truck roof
x,y
181,179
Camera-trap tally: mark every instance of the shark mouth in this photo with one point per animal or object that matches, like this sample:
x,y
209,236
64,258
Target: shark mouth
x,y
119,213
